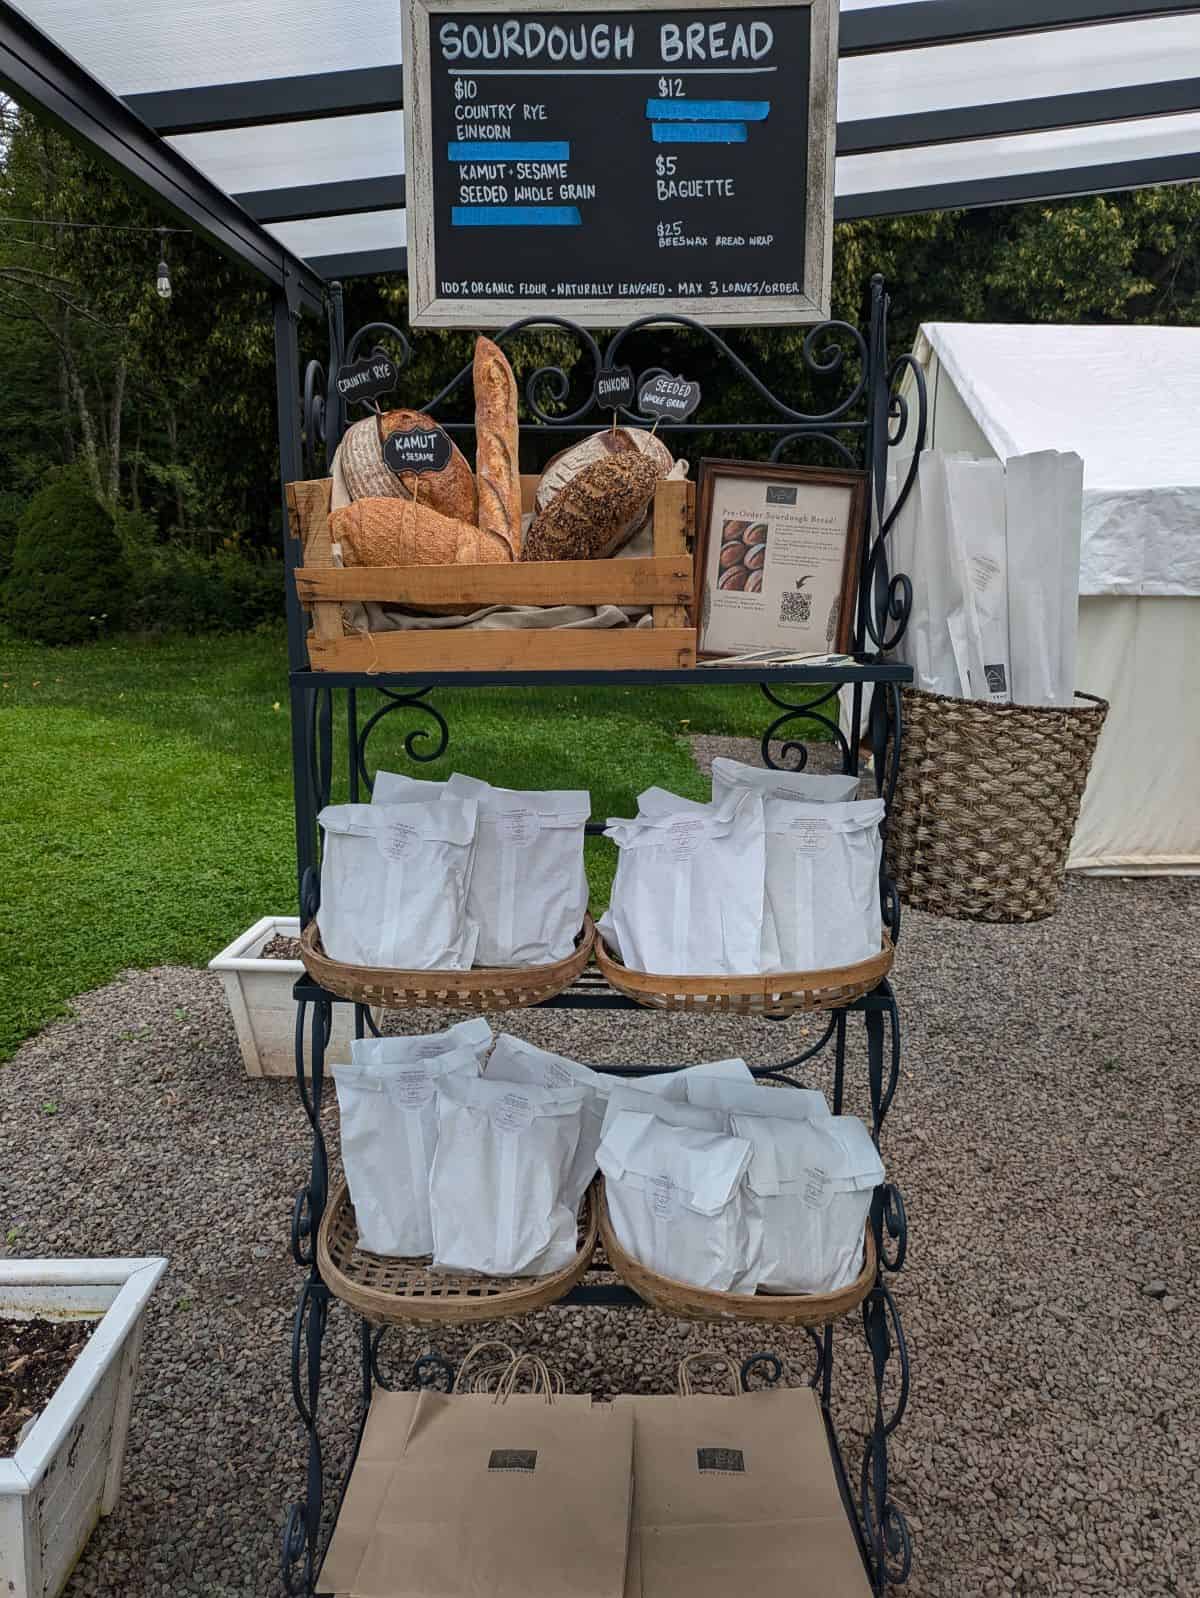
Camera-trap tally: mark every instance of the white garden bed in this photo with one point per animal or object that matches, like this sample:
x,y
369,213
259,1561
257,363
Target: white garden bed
x,y
66,1471
259,995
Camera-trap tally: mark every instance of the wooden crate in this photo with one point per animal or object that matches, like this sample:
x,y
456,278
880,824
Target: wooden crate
x,y
663,582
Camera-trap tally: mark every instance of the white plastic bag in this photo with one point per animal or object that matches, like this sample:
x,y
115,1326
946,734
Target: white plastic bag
x,y
818,787
528,889
498,1191
754,1098
389,1130
688,895
394,885
810,1184
677,1202
822,875
474,1035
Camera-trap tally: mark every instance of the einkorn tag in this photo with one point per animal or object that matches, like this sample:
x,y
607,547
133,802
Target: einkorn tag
x,y
513,1459
725,1461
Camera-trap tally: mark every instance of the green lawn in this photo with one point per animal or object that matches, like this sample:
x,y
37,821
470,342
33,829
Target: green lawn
x,y
146,812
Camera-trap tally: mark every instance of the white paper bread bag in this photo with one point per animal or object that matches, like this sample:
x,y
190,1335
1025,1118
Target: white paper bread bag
x,y
514,1060
389,1131
749,1097
677,1202
394,885
810,1185
822,863
473,1034
673,1112
394,788
528,888
498,1194
816,786
688,895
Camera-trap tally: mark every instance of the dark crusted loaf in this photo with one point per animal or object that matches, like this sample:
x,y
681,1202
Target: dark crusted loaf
x,y
597,511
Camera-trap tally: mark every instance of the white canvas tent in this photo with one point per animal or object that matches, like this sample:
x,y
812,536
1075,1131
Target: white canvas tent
x,y
1127,399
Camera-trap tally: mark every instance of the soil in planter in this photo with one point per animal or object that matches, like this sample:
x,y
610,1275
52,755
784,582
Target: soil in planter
x,y
280,948
35,1355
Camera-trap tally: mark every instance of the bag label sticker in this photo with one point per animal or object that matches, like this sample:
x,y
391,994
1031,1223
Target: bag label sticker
x,y
724,1461
429,1050
514,1113
518,827
555,1075
683,836
660,1195
513,1459
397,840
412,1087
809,834
817,1191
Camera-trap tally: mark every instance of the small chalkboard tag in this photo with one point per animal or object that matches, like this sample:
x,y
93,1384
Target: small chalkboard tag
x,y
614,387
422,449
363,380
667,398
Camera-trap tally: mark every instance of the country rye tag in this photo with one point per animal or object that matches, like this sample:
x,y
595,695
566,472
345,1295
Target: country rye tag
x,y
667,398
420,450
365,379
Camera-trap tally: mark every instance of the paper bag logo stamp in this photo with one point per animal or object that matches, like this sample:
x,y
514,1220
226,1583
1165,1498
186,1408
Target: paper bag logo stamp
x,y
513,1459
722,1461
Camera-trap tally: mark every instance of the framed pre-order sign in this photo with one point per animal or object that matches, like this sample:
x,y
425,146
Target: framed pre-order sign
x,y
604,161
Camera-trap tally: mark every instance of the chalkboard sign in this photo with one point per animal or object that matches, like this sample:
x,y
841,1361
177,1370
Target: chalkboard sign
x,y
672,398
614,387
365,379
602,163
420,449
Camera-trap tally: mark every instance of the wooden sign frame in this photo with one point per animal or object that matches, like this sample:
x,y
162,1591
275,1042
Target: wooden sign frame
x,y
427,309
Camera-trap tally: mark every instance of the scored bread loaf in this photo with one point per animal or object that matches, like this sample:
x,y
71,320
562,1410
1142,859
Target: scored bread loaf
x,y
568,463
367,476
404,532
599,509
497,465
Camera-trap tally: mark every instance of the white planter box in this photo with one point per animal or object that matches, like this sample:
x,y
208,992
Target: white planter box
x,y
67,1471
259,995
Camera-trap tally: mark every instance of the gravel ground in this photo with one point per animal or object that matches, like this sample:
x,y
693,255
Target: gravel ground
x,y
1044,1137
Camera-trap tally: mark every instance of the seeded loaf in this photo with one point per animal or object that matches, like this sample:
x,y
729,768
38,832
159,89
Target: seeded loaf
x,y
367,476
568,463
497,467
597,512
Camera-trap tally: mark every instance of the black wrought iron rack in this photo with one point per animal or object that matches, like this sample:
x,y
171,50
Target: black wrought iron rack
x,y
869,419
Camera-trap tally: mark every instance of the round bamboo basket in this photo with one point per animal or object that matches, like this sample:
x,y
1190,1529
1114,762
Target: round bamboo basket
x,y
778,994
386,1290
482,988
701,1304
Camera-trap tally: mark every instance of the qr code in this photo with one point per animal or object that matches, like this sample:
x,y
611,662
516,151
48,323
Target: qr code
x,y
795,610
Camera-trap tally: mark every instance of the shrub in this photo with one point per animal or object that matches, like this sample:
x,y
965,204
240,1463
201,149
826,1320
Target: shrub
x,y
179,591
69,578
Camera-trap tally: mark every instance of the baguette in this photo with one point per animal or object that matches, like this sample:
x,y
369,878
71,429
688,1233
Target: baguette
x,y
403,532
497,467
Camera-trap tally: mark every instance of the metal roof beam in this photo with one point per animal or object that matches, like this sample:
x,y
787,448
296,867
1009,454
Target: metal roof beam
x,y
1020,187
309,200
254,104
919,23
362,263
1089,109
39,74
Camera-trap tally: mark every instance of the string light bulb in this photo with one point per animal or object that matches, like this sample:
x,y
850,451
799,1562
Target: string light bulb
x,y
163,278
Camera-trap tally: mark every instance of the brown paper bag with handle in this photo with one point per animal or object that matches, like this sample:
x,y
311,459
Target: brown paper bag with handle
x,y
487,1493
736,1495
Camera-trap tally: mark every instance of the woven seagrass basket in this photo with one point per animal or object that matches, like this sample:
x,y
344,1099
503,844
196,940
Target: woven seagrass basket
x,y
986,801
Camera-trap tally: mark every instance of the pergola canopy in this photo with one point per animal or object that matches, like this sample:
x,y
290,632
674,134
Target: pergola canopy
x,y
293,107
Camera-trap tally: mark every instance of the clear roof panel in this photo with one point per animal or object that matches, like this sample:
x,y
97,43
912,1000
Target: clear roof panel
x,y
962,122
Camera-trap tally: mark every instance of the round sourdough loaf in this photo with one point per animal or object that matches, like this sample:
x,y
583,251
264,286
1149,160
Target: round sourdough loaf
x,y
599,510
451,491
